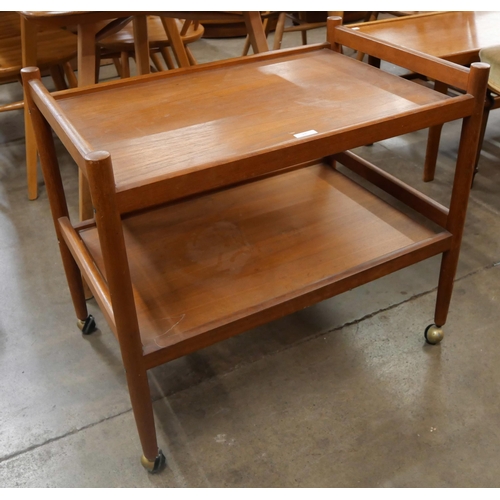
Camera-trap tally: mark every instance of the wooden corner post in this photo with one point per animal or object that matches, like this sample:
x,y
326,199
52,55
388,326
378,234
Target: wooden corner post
x,y
55,190
331,23
469,141
109,227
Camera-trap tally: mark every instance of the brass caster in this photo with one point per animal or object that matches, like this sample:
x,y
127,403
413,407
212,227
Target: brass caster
x,y
433,334
153,466
87,325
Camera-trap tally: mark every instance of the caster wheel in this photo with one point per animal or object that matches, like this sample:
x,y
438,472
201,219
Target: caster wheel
x,y
433,334
156,465
87,325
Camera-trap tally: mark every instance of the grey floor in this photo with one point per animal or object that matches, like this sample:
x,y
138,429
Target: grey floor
x,y
343,394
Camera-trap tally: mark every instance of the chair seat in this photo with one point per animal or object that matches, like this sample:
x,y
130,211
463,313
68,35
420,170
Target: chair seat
x,y
123,41
491,55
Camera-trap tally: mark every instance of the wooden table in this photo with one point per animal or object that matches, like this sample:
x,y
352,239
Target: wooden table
x,y
219,207
86,23
453,36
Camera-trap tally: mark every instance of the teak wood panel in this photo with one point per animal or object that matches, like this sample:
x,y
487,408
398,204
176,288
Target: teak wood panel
x,y
52,46
444,34
213,260
211,267
192,121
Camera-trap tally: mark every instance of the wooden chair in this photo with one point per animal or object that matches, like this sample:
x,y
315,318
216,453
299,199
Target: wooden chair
x,y
120,45
55,49
300,24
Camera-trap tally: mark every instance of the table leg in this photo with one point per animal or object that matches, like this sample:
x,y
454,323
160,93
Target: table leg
x,y
86,54
141,44
29,58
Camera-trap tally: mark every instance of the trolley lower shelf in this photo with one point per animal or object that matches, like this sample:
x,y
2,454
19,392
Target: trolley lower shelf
x,y
211,267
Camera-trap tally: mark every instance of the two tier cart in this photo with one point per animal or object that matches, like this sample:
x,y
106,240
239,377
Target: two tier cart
x,y
217,199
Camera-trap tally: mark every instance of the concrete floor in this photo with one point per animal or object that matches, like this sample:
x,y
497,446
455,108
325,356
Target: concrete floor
x,y
343,394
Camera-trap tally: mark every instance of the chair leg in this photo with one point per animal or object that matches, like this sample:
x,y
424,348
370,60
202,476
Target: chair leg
x,y
70,75
168,58
157,61
304,37
125,64
57,75
31,157
278,32
97,65
191,57
246,47
118,66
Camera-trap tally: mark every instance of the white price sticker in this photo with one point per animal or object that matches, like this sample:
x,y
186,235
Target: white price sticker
x,y
305,134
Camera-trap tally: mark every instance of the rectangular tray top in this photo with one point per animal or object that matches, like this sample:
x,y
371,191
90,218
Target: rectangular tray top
x,y
169,126
441,34
210,261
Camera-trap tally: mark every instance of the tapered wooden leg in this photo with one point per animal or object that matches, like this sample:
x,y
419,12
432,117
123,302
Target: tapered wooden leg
x,y
142,407
278,32
29,58
304,37
141,44
70,75
57,75
192,59
467,150
246,46
431,153
255,30
176,42
85,201
109,227
488,106
157,61
167,57
125,65
31,157
449,264
86,76
433,140
57,199
118,66
75,282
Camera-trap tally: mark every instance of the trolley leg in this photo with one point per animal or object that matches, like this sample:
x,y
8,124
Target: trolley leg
x,y
431,153
75,284
152,458
55,193
467,151
433,140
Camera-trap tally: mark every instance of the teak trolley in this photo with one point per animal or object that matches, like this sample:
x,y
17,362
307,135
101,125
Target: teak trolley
x,y
217,202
